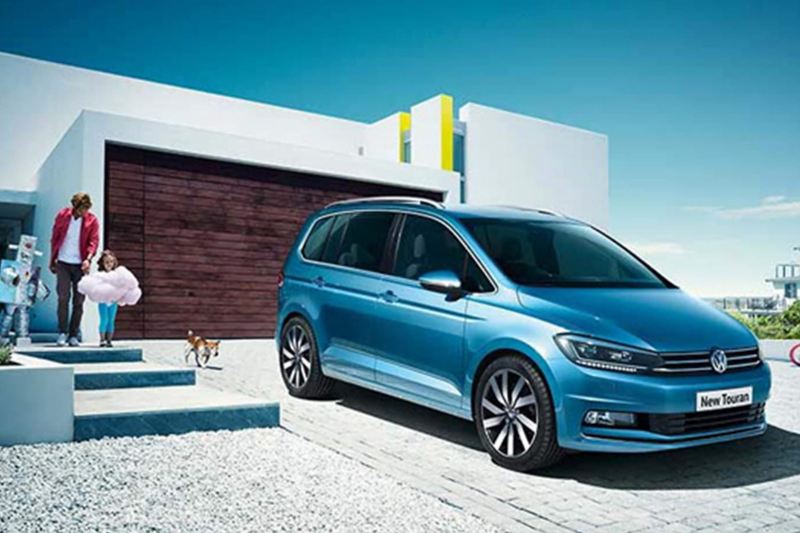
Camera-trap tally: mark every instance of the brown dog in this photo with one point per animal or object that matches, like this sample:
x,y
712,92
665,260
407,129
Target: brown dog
x,y
203,349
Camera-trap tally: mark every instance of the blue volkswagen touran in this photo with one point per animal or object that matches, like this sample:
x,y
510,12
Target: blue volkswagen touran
x,y
545,331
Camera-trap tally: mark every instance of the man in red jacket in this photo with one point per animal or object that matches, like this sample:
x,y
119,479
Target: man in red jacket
x,y
76,233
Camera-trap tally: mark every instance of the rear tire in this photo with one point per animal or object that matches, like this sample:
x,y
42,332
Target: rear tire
x,y
298,357
514,415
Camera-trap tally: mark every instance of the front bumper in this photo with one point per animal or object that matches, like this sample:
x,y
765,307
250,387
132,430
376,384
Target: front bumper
x,y
583,389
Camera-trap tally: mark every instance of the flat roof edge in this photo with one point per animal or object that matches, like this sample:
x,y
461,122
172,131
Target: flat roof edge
x,y
530,117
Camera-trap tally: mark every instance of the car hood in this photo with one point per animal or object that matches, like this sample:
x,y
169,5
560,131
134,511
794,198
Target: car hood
x,y
664,320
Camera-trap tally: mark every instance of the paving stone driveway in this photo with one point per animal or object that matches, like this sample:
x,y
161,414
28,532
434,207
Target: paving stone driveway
x,y
748,485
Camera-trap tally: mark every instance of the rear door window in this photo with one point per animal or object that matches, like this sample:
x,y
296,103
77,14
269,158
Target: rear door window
x,y
364,240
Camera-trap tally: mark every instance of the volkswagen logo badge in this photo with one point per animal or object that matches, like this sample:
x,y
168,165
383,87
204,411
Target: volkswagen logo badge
x,y
719,361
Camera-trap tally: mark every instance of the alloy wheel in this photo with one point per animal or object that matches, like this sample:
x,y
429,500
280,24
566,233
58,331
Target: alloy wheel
x,y
510,413
296,356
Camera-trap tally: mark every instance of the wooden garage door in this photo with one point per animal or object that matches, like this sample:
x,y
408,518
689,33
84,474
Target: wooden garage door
x,y
207,238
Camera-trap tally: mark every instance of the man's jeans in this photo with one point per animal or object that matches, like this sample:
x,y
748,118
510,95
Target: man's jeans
x,y
67,278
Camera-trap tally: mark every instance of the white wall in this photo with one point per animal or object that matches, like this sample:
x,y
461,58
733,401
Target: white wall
x,y
382,139
60,177
39,101
37,399
777,350
513,159
426,133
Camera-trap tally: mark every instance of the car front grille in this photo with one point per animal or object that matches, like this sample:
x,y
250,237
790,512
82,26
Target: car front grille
x,y
700,362
685,423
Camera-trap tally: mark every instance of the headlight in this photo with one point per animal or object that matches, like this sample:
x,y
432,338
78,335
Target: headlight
x,y
604,355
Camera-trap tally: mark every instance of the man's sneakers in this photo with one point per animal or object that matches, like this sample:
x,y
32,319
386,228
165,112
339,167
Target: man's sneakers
x,y
64,341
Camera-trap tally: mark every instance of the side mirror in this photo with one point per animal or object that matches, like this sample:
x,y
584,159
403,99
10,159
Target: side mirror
x,y
443,281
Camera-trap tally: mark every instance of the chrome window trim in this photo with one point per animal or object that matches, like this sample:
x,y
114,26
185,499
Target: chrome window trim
x,y
449,227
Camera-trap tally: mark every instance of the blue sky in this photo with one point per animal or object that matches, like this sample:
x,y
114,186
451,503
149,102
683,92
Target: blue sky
x,y
700,100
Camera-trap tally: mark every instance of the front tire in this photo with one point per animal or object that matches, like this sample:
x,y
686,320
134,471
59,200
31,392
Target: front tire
x,y
514,415
299,361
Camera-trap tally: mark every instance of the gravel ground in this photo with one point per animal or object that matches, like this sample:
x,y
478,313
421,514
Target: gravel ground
x,y
253,480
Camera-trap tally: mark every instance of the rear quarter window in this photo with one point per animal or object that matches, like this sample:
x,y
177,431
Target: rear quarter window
x,y
334,241
317,237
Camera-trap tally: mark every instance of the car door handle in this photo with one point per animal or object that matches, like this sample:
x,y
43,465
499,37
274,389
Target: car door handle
x,y
388,297
319,281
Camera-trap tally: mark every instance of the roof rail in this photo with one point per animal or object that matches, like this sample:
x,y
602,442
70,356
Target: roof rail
x,y
551,212
536,210
389,199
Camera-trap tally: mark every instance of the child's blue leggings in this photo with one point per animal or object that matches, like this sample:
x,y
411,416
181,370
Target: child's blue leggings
x,y
108,313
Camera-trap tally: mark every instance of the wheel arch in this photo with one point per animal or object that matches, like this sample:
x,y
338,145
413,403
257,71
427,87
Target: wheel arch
x,y
480,364
288,314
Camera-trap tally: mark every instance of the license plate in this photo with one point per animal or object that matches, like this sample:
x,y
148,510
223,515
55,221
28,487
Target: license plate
x,y
724,399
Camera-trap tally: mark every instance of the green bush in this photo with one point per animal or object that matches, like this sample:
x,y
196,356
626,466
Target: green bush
x,y
783,326
5,354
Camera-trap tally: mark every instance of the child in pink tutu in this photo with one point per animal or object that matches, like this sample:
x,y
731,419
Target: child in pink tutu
x,y
111,286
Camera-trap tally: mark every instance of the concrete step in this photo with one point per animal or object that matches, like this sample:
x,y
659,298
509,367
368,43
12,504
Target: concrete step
x,y
83,354
90,376
166,411
40,337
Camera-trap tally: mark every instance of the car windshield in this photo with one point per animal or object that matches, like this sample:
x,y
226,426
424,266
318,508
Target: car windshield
x,y
561,254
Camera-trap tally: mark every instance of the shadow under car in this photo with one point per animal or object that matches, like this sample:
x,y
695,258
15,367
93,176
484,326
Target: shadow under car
x,y
775,455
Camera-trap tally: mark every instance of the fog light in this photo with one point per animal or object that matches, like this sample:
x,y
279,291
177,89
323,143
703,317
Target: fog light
x,y
609,418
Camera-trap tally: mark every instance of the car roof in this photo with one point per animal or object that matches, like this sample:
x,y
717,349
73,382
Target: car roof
x,y
457,211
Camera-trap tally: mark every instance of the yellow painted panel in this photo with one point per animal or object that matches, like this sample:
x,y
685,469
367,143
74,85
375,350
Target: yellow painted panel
x,y
405,125
447,131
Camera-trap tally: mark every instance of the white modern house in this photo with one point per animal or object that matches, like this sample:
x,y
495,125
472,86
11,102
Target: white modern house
x,y
786,281
201,194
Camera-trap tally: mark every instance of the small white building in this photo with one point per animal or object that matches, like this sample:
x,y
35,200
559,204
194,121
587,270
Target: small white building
x,y
785,282
201,194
